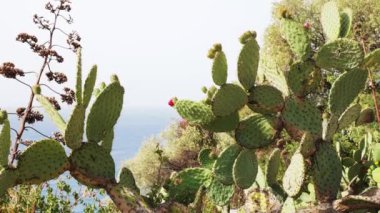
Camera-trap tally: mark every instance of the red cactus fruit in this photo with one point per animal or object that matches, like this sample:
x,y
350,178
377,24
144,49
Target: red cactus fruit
x,y
307,25
171,102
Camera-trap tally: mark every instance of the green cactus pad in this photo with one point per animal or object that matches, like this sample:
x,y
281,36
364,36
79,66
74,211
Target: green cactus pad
x,y
223,166
272,167
288,206
219,69
89,85
41,161
219,193
326,172
93,161
303,77
376,175
8,179
52,112
248,63
329,127
307,145
245,169
228,99
330,19
75,128
376,152
3,116
303,115
349,116
206,159
127,180
5,143
297,37
255,131
366,116
354,171
78,86
294,176
346,23
345,89
105,112
341,54
223,124
372,60
184,185
194,112
107,141
265,99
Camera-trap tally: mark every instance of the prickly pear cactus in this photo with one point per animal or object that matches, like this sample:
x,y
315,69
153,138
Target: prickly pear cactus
x,y
127,180
223,123
265,99
219,193
245,169
5,143
228,99
341,54
294,176
255,131
248,61
349,116
184,185
223,167
345,89
105,112
219,68
91,160
331,20
303,77
326,172
273,167
194,112
346,22
206,158
297,37
75,128
40,162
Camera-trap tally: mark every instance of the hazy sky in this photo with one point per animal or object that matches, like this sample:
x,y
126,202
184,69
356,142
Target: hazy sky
x,y
157,47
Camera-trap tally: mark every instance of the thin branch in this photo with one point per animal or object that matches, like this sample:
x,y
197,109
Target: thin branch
x,y
14,131
32,128
51,89
63,47
23,83
60,30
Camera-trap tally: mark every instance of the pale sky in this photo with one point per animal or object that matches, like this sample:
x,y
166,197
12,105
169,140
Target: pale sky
x,y
157,48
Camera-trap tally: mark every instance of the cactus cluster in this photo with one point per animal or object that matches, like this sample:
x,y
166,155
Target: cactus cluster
x,y
274,110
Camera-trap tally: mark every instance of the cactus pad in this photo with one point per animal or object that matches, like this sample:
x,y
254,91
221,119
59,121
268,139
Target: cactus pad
x,y
75,128
372,60
41,161
326,172
330,19
341,54
219,68
93,161
349,116
127,180
245,169
307,145
107,141
330,127
376,152
294,176
345,23
265,99
5,143
89,85
366,116
297,37
248,63
302,115
228,99
223,124
52,112
219,193
7,180
223,166
105,112
289,206
194,112
272,167
302,78
205,158
345,89
184,185
255,131
78,86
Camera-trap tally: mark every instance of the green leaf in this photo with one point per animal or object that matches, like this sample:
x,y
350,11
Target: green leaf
x,y
52,112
